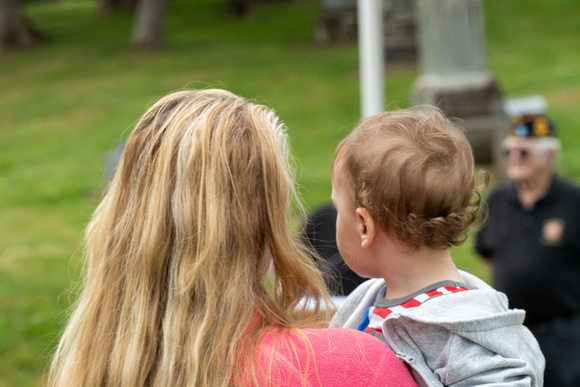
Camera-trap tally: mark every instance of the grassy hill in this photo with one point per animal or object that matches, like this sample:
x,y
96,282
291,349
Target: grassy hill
x,y
65,104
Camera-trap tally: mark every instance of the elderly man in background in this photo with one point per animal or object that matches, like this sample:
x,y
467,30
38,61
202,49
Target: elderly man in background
x,y
532,241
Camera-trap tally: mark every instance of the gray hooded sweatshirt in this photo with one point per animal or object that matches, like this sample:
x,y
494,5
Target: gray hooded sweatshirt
x,y
468,338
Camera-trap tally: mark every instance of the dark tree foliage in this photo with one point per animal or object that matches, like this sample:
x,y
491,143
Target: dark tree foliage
x,y
108,6
238,7
241,7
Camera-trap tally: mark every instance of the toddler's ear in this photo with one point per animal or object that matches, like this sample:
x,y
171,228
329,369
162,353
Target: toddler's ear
x,y
366,227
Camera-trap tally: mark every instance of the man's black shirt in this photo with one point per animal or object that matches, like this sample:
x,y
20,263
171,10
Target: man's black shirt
x,y
536,253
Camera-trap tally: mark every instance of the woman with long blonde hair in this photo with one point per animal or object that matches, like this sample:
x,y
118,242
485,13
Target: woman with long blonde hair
x,y
176,256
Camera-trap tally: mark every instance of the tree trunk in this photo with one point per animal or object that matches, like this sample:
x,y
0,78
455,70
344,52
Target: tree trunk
x,y
149,25
15,30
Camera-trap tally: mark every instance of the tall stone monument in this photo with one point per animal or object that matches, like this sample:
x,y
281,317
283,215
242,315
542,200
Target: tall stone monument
x,y
338,23
454,73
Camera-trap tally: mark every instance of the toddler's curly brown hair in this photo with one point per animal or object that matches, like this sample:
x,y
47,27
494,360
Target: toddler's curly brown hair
x,y
413,170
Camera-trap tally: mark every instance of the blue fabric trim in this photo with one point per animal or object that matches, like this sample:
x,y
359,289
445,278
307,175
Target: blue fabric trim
x,y
365,321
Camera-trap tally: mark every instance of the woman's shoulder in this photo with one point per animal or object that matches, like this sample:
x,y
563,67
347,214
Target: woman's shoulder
x,y
332,357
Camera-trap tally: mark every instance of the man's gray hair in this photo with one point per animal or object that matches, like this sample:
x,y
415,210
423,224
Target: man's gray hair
x,y
544,144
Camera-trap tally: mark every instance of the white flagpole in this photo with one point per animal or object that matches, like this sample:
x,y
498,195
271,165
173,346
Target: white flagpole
x,y
371,56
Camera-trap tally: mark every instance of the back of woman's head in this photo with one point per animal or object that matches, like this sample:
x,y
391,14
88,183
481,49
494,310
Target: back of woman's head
x,y
204,173
413,170
176,250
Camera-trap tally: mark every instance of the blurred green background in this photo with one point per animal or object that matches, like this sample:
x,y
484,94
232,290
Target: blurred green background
x,y
66,103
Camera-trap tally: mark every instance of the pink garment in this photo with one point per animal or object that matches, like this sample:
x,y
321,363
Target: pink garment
x,y
336,357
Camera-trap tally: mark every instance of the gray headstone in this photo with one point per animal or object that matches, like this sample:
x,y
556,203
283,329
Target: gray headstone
x,y
454,73
338,23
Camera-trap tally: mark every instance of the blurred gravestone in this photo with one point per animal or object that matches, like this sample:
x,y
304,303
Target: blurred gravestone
x,y
338,23
454,72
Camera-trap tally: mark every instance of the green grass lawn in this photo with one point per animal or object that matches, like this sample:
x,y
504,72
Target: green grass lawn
x,y
65,104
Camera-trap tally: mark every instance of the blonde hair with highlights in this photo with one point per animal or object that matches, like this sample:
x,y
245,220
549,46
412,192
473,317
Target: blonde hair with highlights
x,y
413,170
173,293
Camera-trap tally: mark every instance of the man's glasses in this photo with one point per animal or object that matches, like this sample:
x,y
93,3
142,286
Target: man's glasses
x,y
522,152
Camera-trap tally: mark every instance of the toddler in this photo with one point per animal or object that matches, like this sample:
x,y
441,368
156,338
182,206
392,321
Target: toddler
x,y
403,188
